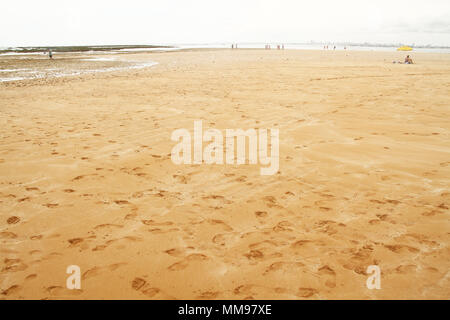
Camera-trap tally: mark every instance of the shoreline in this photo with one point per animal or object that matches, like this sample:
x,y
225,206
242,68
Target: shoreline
x,y
133,49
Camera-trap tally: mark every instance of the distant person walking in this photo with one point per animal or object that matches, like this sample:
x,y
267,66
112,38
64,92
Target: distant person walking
x,y
50,54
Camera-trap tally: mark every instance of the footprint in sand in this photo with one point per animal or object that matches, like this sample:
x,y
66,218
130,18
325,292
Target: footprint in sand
x,y
283,226
7,235
51,255
209,295
254,255
194,257
225,238
138,283
267,244
261,214
283,267
329,227
431,213
108,226
13,265
181,179
138,194
13,220
130,216
61,291
250,290
404,269
217,199
225,226
9,196
359,259
51,205
244,289
11,290
156,226
31,277
114,241
178,252
329,274
95,271
154,223
399,248
241,179
151,292
121,202
141,285
75,241
306,292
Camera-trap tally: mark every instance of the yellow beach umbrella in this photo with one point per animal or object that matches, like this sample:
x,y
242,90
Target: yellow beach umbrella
x,y
404,48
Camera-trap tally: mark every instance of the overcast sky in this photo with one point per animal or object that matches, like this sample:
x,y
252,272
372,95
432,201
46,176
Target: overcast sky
x,y
83,22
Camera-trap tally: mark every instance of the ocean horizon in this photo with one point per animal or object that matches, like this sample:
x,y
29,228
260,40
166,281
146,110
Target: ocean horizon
x,y
222,45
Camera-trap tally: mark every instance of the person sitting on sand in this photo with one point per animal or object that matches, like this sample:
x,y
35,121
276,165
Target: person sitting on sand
x,y
408,60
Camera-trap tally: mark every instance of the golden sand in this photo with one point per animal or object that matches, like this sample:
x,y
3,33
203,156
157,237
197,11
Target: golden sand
x,y
86,179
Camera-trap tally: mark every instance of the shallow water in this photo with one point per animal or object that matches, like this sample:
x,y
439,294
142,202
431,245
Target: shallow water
x,y
41,69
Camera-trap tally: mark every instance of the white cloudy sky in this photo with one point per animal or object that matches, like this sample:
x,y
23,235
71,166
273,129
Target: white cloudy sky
x,y
51,22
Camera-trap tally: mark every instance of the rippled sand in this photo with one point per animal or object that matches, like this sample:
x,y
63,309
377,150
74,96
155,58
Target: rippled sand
x,y
86,179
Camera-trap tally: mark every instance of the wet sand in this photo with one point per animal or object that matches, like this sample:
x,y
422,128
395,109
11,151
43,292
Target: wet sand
x,y
86,179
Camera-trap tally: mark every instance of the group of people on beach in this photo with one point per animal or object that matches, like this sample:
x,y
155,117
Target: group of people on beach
x,y
279,47
334,47
267,46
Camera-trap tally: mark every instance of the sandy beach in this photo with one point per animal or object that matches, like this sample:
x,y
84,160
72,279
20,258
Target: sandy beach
x,y
86,177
